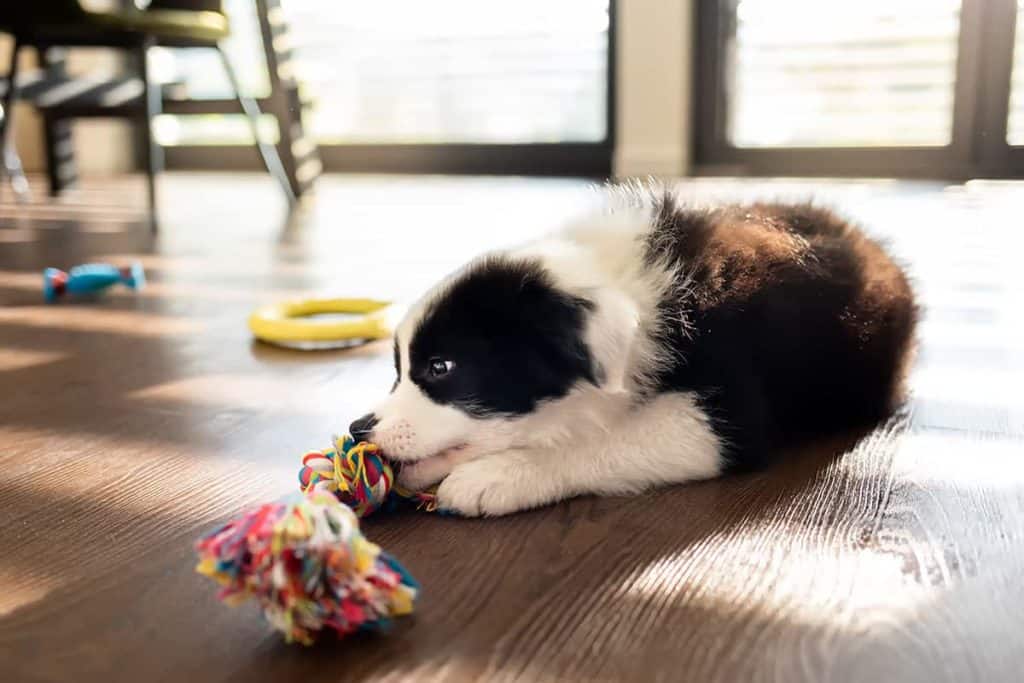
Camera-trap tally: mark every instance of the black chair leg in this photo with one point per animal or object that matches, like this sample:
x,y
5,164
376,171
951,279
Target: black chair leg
x,y
57,132
153,154
10,163
271,159
60,156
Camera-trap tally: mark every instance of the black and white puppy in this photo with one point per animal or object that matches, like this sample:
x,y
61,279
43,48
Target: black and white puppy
x,y
653,345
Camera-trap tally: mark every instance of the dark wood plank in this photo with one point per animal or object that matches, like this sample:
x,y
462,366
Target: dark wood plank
x,y
130,424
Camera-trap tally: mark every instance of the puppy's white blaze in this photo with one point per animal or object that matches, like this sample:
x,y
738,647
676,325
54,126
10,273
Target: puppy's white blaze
x,y
412,427
403,334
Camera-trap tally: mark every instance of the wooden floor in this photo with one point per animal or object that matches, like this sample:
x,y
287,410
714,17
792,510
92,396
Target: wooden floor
x,y
131,424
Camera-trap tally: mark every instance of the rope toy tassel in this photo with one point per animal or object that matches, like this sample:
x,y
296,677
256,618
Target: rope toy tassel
x,y
309,567
359,476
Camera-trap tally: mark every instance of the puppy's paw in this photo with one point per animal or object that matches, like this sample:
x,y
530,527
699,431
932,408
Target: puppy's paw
x,y
417,476
491,486
420,474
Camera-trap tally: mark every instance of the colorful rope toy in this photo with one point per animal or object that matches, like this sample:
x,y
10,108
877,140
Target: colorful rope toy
x,y
90,278
360,477
305,561
309,567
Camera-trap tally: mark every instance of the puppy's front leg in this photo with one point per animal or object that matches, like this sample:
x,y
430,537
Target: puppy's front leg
x,y
666,440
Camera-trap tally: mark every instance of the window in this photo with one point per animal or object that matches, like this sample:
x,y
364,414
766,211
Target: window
x,y
400,73
906,88
454,71
869,73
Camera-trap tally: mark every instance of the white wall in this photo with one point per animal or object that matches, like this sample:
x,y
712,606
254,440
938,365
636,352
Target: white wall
x,y
653,73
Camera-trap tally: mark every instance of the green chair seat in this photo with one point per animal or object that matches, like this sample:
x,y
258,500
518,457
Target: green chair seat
x,y
45,24
166,23
165,26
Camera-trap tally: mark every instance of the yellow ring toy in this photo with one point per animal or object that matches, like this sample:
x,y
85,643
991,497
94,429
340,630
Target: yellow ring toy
x,y
289,323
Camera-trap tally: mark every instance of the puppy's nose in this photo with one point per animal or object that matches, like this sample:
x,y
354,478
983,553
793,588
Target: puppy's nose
x,y
363,427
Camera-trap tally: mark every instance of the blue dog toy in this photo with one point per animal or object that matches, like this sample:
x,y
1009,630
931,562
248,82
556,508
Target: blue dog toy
x,y
89,278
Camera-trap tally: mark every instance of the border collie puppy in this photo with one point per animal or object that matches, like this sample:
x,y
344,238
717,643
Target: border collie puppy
x,y
653,345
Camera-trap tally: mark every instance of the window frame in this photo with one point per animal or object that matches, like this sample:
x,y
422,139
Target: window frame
x,y
586,159
978,146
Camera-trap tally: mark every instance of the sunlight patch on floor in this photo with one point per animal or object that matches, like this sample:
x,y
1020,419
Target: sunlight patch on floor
x,y
962,460
93,319
18,235
747,571
245,391
94,462
21,590
19,359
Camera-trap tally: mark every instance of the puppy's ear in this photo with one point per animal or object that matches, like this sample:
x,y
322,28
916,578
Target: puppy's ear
x,y
611,332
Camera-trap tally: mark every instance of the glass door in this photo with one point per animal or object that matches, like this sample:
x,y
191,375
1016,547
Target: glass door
x,y
876,87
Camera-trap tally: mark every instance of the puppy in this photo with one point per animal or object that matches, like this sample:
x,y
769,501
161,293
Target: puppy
x,y
653,345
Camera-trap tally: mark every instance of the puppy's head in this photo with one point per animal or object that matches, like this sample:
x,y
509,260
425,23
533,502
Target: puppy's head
x,y
487,346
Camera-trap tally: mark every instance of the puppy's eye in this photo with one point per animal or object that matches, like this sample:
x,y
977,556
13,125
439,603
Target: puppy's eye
x,y
440,367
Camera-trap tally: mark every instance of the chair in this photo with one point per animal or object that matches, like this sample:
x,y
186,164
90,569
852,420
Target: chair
x,y
48,25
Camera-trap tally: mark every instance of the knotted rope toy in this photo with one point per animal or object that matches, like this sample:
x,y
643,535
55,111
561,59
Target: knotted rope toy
x,y
305,560
360,476
309,567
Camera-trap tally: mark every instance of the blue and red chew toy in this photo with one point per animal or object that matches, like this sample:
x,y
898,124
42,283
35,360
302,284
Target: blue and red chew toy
x,y
305,560
90,278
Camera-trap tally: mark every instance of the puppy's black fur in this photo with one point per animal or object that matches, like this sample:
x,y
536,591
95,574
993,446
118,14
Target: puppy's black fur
x,y
798,324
